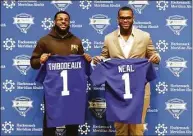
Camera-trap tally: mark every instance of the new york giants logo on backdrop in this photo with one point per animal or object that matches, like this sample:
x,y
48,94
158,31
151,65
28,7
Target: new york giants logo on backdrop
x,y
176,23
22,105
22,63
23,21
176,65
138,6
176,107
99,22
98,106
61,4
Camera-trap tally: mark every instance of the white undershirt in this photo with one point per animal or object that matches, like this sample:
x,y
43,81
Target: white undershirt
x,y
126,45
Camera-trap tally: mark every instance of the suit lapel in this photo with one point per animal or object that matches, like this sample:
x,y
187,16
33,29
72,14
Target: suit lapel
x,y
134,43
117,45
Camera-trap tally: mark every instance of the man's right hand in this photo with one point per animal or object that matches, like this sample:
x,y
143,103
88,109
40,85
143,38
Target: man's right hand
x,y
96,59
44,57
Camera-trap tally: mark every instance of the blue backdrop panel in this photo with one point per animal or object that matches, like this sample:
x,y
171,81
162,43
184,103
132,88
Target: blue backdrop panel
x,y
168,22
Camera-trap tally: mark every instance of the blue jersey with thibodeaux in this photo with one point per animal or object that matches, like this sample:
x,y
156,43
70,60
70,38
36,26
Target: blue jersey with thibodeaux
x,y
65,80
125,81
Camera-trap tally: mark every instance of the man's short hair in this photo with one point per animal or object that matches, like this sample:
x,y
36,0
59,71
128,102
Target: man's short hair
x,y
125,8
63,12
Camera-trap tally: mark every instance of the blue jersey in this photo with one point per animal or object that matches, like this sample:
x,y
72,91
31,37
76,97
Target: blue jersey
x,y
125,81
65,80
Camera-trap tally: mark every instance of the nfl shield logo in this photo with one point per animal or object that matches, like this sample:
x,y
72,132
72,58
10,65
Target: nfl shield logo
x,y
22,63
23,21
22,105
176,65
98,107
99,22
176,23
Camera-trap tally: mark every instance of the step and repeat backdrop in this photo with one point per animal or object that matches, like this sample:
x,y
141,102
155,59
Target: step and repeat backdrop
x,y
23,23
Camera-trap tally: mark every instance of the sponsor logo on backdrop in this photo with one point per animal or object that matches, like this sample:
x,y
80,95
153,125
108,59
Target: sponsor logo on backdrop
x,y
98,107
138,6
145,25
176,65
23,21
181,4
9,4
22,63
162,87
47,23
100,129
176,23
162,5
22,105
176,107
162,130
10,44
99,22
84,129
86,4
161,45
10,85
7,127
86,44
60,4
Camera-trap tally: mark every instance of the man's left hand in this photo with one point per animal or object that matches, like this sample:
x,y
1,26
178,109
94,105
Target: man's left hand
x,y
154,58
87,57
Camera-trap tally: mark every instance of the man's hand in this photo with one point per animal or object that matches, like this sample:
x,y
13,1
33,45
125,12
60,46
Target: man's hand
x,y
154,58
87,57
44,57
96,59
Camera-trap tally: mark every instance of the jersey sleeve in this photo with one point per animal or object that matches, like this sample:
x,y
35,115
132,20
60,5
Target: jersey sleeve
x,y
97,76
41,74
151,73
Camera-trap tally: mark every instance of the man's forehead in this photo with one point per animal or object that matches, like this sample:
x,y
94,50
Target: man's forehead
x,y
62,15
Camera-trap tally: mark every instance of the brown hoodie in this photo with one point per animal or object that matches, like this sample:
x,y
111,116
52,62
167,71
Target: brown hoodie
x,y
55,44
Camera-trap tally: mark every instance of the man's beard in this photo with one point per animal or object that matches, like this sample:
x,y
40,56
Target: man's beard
x,y
126,31
60,31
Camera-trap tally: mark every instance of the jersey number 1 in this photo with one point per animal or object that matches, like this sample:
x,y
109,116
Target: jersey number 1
x,y
65,90
127,94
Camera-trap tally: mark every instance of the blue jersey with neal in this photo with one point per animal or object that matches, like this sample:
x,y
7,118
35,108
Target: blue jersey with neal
x,y
125,81
65,80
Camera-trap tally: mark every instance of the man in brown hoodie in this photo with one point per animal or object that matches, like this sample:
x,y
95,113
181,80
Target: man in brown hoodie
x,y
62,42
